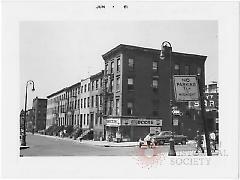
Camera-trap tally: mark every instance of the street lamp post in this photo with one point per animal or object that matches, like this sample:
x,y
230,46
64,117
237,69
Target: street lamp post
x,y
23,143
166,50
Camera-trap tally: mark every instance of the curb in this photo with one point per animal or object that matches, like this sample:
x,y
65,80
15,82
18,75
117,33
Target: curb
x,y
24,147
102,145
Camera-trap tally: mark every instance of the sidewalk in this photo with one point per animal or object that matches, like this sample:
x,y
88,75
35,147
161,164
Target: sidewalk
x,y
110,144
94,143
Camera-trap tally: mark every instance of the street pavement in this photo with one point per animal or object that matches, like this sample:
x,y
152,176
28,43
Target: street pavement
x,y
42,145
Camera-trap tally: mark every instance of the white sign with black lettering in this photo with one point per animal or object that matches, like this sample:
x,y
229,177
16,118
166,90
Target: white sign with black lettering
x,y
113,122
186,88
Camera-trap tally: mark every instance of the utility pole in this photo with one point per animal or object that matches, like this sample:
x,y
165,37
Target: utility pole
x,y
201,87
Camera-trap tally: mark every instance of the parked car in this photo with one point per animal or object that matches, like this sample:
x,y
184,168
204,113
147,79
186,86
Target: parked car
x,y
164,136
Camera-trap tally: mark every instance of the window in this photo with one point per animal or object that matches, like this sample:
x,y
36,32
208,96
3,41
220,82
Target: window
x,y
100,122
118,64
187,70
100,98
101,82
81,119
78,90
85,88
129,108
96,84
199,70
87,119
96,119
106,70
78,103
112,66
130,64
117,107
92,101
81,103
92,85
88,102
118,84
75,107
155,113
111,85
88,86
84,104
111,107
177,69
84,119
155,83
81,89
155,66
130,84
96,101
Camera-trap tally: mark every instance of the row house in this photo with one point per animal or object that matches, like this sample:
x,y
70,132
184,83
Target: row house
x,y
78,106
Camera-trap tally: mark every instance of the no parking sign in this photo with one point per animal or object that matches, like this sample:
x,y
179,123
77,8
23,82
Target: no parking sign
x,y
186,88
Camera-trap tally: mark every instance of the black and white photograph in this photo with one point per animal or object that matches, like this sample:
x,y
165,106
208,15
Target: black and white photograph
x,y
106,89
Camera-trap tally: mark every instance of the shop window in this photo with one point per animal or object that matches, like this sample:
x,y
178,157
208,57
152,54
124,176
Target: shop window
x,y
130,108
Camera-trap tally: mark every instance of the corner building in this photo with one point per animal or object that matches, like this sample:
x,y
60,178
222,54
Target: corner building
x,y
136,92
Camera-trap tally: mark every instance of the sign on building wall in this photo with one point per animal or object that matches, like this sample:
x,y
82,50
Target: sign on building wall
x,y
185,88
113,122
210,102
142,122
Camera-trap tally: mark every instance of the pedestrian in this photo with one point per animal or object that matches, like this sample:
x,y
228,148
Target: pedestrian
x,y
199,140
213,140
148,140
61,134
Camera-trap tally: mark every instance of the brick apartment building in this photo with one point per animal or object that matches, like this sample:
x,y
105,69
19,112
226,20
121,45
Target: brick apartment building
x,y
136,91
39,109
63,107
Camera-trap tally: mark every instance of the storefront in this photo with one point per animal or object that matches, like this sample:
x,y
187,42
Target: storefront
x,y
131,129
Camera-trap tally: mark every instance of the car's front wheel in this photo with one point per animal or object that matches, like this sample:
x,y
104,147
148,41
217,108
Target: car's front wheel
x,y
161,142
183,142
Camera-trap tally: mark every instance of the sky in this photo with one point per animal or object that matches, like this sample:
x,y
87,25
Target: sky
x,y
57,54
